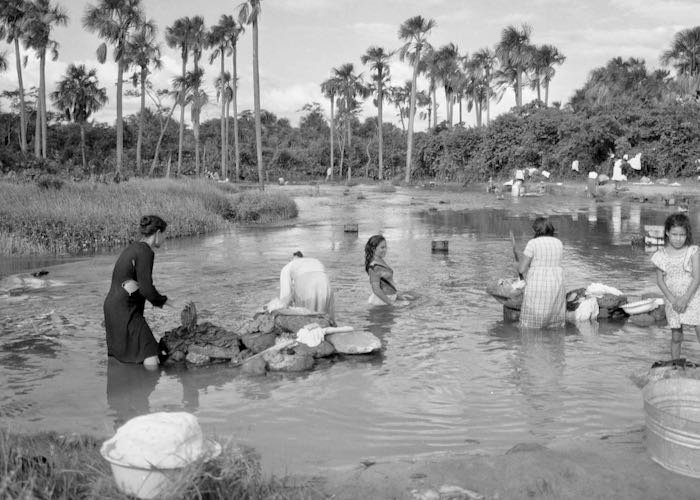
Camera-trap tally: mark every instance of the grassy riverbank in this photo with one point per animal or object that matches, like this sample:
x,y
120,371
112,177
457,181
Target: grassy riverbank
x,y
70,467
71,218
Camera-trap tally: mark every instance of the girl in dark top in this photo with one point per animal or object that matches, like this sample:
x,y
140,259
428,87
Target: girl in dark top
x,y
129,338
381,276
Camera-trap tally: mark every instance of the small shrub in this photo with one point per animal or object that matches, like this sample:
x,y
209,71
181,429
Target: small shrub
x,y
49,182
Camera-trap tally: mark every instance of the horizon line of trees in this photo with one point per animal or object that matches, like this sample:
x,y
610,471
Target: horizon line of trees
x,y
513,63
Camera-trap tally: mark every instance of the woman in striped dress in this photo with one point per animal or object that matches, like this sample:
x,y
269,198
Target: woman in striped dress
x,y
544,300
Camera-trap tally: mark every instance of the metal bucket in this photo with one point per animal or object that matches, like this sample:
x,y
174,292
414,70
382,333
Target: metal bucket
x,y
672,408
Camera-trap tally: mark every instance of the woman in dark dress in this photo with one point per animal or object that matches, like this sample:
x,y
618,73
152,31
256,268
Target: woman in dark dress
x,y
129,338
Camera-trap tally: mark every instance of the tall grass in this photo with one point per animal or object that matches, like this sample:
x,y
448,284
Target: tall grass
x,y
52,466
80,217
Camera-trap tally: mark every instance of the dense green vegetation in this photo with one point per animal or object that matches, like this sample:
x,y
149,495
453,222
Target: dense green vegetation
x,y
53,216
621,109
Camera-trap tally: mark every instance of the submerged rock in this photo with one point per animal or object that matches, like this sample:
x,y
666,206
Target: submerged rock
x,y
354,342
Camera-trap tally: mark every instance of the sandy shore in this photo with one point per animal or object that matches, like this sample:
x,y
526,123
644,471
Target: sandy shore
x,y
616,466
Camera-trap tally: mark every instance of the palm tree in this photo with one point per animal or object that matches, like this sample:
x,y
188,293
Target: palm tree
x,y
684,53
543,60
235,34
222,84
13,18
199,42
248,14
179,35
42,17
3,62
446,64
114,21
330,89
414,32
486,60
142,51
514,52
223,38
351,86
78,95
378,60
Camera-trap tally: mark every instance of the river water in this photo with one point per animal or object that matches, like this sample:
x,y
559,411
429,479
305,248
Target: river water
x,y
452,376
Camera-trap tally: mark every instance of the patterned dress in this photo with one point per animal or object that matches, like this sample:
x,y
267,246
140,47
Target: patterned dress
x,y
678,274
544,299
385,275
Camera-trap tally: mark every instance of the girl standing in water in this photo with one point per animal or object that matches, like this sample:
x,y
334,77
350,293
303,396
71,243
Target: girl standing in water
x,y
678,277
544,299
381,276
129,338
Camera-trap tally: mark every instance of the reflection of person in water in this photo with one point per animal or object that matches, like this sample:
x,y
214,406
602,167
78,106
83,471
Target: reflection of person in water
x,y
128,388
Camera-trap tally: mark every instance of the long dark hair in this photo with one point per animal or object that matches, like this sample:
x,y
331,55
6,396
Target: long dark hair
x,y
678,220
370,247
149,224
542,227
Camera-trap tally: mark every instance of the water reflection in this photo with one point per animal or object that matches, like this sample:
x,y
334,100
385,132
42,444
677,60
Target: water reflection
x,y
129,387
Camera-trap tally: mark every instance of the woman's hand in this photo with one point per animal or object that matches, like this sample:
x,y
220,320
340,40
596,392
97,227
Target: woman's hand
x,y
681,303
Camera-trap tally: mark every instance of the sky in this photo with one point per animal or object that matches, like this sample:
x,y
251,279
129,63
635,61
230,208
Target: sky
x,y
302,40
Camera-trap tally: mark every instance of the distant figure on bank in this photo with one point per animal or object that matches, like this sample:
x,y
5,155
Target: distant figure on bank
x,y
381,276
329,174
678,277
305,283
129,338
544,299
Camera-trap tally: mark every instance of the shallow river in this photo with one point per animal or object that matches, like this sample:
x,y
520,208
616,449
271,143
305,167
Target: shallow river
x,y
452,376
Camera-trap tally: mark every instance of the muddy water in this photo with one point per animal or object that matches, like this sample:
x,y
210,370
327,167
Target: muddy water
x,y
452,376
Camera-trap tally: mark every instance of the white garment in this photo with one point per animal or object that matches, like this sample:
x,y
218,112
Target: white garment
x,y
304,283
574,165
636,162
376,301
617,170
519,175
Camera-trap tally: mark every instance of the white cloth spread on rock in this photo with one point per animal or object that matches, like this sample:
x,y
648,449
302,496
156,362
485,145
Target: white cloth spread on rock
x,y
163,440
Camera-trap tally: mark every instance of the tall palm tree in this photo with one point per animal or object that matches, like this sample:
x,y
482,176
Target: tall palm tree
x,y
3,62
222,38
378,60
114,21
330,89
142,51
235,35
224,91
486,60
414,32
13,18
684,53
43,16
543,60
179,35
351,87
78,95
514,51
447,71
199,42
248,14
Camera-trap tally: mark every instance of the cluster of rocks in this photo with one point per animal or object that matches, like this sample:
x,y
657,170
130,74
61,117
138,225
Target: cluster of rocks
x,y
205,343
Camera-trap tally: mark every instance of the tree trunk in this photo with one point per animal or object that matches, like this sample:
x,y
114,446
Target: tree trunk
x,y
411,117
160,139
37,130
234,101
22,110
435,107
120,116
332,133
488,99
82,144
546,94
380,99
448,107
42,100
256,100
139,140
181,137
539,97
170,160
518,89
223,115
195,120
